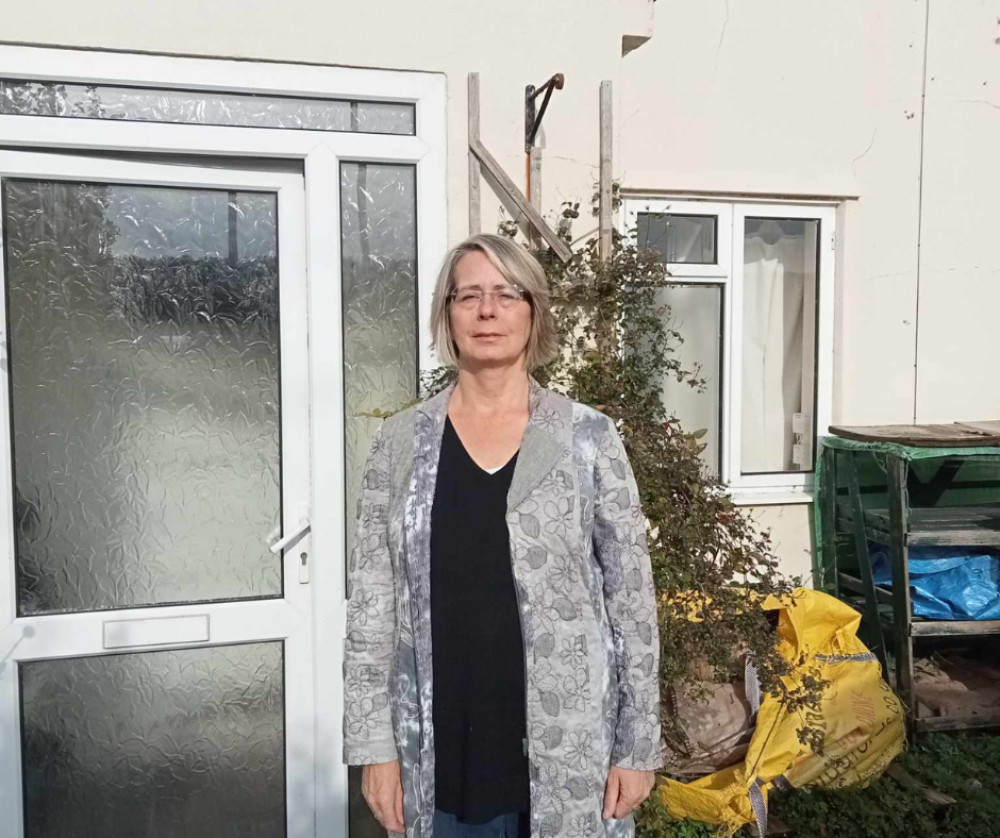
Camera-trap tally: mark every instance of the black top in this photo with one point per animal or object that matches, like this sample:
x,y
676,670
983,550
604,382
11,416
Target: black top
x,y
480,767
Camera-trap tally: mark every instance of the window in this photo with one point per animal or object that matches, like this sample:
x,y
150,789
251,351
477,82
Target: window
x,y
204,107
751,293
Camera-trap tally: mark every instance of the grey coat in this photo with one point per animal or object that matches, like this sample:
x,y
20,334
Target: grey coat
x,y
588,613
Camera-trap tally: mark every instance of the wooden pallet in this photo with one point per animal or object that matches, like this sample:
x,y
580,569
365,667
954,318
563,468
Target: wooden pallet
x,y
955,435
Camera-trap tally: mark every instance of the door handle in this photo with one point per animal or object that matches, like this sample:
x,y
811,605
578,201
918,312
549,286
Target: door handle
x,y
303,527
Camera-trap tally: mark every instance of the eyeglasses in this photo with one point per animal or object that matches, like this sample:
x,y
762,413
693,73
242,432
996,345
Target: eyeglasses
x,y
470,298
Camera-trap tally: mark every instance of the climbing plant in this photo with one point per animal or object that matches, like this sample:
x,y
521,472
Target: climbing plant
x,y
711,562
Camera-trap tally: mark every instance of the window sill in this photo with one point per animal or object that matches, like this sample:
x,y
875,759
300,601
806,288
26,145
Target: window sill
x,y
770,495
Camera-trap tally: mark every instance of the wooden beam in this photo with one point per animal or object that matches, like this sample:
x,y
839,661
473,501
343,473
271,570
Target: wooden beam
x,y
908,781
475,172
865,563
535,196
897,470
953,628
936,723
604,205
515,201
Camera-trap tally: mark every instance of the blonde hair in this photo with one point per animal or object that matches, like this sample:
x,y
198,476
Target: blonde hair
x,y
519,268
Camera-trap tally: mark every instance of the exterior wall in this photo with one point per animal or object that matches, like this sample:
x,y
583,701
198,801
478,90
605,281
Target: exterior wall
x,y
959,345
790,527
802,100
790,97
510,44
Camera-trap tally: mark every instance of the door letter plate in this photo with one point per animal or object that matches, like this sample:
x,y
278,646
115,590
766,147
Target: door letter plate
x,y
156,631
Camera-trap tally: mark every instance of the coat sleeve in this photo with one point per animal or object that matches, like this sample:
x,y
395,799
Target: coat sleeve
x,y
371,620
622,550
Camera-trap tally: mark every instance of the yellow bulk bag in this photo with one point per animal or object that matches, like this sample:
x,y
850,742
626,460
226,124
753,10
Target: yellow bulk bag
x,y
861,720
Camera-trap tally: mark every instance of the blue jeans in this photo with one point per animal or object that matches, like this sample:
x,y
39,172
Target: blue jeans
x,y
513,825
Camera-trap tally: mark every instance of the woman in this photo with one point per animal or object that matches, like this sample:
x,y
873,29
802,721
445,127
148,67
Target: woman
x,y
499,524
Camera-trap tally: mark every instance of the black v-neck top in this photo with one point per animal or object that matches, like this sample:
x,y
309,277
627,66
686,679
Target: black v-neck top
x,y
480,767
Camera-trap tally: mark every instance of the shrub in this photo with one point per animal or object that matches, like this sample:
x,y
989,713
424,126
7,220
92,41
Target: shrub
x,y
710,560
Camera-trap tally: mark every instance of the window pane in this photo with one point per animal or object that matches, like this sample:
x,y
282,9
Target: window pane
x,y
779,344
145,406
379,252
84,101
185,742
696,314
687,239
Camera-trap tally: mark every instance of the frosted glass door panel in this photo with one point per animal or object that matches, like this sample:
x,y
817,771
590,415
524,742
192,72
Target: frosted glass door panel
x,y
199,107
379,252
159,744
145,392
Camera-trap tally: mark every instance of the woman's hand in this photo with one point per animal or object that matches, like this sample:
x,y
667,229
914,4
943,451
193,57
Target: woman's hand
x,y
625,790
383,792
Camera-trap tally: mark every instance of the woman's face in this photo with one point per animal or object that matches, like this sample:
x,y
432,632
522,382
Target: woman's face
x,y
493,332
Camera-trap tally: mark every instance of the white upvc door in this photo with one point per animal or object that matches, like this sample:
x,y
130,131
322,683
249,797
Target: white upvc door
x,y
156,321
368,337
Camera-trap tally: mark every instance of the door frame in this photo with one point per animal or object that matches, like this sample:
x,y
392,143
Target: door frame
x,y
286,618
320,153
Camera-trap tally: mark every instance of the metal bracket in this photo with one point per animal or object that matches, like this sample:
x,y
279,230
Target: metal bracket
x,y
532,115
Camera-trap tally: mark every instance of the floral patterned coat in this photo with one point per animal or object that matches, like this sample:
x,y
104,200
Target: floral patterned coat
x,y
588,613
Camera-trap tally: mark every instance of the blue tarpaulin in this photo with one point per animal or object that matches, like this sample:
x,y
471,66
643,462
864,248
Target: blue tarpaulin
x,y
947,583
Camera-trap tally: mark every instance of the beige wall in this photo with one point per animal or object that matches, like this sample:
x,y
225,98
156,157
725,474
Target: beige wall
x,y
797,97
800,100
790,527
813,98
511,43
959,346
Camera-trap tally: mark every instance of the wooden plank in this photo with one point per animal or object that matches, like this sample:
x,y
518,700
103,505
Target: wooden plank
x,y
830,581
475,171
953,628
852,583
991,427
896,472
930,436
535,196
969,526
876,525
865,562
947,538
941,723
604,185
508,192
956,517
907,780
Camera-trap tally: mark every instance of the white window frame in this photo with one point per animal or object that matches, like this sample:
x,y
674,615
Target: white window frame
x,y
727,274
320,153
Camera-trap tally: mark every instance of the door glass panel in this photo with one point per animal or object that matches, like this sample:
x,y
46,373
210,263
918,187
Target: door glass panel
x,y
779,344
696,315
201,107
185,742
378,243
379,252
144,369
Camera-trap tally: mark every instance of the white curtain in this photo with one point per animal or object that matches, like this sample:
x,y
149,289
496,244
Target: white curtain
x,y
696,314
779,262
